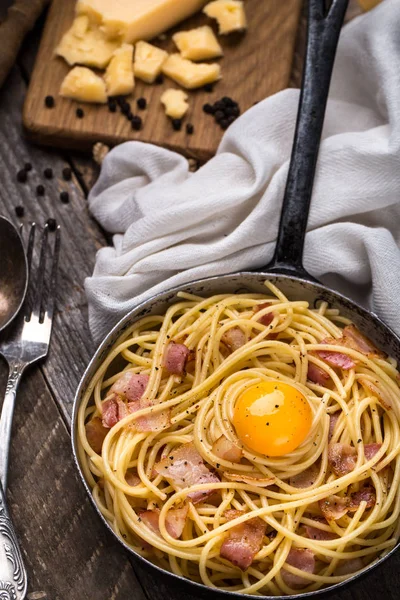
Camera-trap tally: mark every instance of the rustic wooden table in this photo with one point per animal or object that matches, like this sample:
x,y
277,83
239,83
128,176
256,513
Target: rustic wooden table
x,y
68,553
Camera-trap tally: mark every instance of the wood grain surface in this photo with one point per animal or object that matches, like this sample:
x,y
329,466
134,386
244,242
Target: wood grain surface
x,y
68,553
255,66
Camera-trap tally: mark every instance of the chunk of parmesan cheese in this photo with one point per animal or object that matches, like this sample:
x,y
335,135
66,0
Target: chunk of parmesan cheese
x,y
83,85
198,44
188,74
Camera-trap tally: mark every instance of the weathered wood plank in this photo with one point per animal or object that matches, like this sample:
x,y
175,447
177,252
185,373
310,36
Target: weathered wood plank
x,y
71,346
68,553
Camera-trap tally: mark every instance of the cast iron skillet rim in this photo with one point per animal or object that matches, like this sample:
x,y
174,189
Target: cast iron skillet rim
x,y
111,338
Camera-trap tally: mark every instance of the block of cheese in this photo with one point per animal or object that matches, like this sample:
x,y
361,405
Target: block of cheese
x,y
175,102
189,74
86,45
198,44
133,20
368,4
83,85
119,74
229,14
148,61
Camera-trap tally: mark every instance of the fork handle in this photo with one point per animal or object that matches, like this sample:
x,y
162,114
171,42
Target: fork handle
x,y
13,578
6,419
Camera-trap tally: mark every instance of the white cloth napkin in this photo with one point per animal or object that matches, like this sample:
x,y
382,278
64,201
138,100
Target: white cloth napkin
x,y
172,226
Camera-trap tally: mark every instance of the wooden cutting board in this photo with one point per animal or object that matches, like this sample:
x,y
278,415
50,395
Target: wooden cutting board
x,y
254,66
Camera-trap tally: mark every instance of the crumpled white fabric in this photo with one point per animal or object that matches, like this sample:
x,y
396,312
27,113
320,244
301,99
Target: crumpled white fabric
x,y
172,226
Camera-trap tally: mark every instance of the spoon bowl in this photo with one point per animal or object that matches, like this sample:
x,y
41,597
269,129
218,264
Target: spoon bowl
x,y
13,272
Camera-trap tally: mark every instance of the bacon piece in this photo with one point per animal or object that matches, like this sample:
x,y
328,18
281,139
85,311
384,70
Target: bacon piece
x,y
110,411
174,521
377,391
333,419
334,507
342,458
306,478
175,358
365,494
317,375
156,421
184,467
346,567
268,317
227,450
130,385
258,481
335,359
95,434
132,478
315,533
353,338
243,541
234,338
303,559
371,449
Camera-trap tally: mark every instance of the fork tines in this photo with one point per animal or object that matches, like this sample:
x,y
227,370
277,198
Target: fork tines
x,y
40,300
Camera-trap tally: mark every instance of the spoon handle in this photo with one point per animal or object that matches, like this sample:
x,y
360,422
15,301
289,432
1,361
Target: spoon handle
x,y
6,419
13,579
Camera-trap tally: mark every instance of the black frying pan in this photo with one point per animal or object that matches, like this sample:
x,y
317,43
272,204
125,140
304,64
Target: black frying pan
x,y
285,270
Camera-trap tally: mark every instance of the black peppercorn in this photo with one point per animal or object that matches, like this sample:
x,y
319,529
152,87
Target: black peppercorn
x,y
51,224
219,115
27,167
136,123
49,101
177,124
22,176
48,173
189,128
125,108
208,87
224,123
208,109
159,79
142,103
64,197
40,190
19,211
112,105
67,173
79,113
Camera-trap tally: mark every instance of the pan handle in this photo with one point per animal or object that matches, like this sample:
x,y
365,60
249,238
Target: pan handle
x,y
322,37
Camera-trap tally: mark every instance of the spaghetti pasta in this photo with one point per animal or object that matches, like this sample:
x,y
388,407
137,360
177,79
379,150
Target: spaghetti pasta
x,y
180,484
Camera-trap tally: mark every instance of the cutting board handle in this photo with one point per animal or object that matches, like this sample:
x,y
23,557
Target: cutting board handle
x,y
322,37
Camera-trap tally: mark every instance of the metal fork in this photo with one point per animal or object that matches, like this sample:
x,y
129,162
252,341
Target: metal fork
x,y
25,343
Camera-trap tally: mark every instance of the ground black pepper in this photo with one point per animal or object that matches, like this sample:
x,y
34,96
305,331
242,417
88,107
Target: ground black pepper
x,y
19,211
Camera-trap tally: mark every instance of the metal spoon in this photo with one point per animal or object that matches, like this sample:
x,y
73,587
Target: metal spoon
x,y
13,272
13,286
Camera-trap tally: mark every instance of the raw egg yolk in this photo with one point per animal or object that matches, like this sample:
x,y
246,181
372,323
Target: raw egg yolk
x,y
272,418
